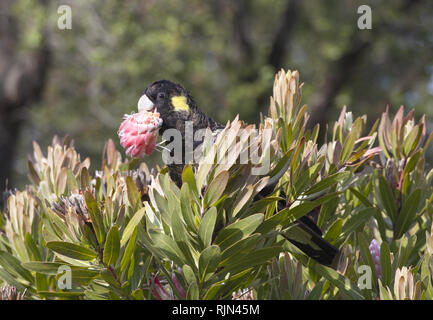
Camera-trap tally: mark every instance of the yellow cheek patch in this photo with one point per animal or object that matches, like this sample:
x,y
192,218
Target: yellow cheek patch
x,y
179,103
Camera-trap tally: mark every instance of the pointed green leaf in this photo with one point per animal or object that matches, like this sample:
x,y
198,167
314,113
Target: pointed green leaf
x,y
408,213
61,294
112,246
255,258
208,262
216,188
181,237
188,177
350,140
133,193
51,268
129,251
328,181
72,182
13,266
243,198
348,289
361,197
385,263
238,230
282,165
185,205
135,220
384,294
193,292
189,274
365,252
33,175
82,276
288,215
32,247
95,215
239,248
387,197
316,292
357,220
207,226
72,250
213,291
411,141
334,231
168,246
11,279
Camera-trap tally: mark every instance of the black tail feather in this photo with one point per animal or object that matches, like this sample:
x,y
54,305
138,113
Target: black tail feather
x,y
312,244
306,235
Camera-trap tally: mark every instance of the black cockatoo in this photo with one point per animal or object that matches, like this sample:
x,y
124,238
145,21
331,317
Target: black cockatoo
x,y
176,106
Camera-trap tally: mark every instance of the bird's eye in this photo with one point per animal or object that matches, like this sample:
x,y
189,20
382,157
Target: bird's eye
x,y
161,95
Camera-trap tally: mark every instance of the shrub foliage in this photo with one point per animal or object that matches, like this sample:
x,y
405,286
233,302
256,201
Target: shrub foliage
x,y
127,232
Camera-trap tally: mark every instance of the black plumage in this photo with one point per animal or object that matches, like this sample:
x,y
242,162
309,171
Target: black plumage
x,y
161,93
304,233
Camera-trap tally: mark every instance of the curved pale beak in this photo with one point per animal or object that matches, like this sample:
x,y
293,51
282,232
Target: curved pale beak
x,y
144,104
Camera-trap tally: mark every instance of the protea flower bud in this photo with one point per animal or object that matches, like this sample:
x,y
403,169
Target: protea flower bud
x,y
401,131
9,293
244,294
390,173
75,201
405,287
138,133
375,253
4,200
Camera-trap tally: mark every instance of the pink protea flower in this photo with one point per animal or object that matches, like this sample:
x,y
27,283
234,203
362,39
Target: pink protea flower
x,y
138,133
375,253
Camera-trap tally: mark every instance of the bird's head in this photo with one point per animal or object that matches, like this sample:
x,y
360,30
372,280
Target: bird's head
x,y
171,100
163,105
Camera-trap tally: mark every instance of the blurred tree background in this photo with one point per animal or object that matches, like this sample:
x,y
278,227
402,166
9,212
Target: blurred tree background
x,y
81,81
